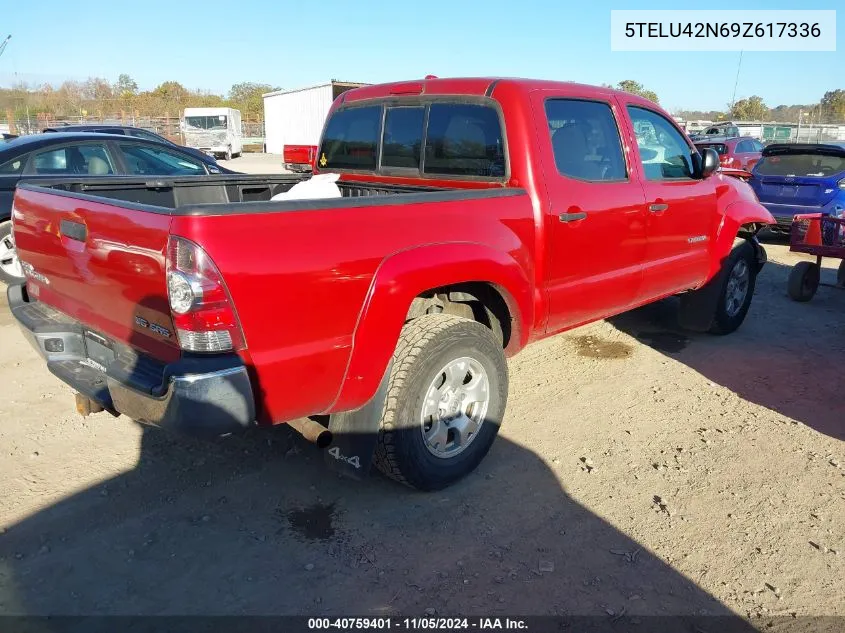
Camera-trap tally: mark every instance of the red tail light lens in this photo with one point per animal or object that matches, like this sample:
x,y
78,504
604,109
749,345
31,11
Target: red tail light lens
x,y
202,309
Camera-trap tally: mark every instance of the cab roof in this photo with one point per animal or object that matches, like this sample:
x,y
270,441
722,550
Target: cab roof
x,y
472,86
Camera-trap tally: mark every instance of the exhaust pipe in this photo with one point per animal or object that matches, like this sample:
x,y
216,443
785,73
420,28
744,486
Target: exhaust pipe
x,y
85,406
312,431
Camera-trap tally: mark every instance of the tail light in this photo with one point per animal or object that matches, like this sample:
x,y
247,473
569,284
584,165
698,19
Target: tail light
x,y
203,312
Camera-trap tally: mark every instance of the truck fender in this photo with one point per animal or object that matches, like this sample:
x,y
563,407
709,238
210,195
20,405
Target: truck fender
x,y
737,215
405,275
699,306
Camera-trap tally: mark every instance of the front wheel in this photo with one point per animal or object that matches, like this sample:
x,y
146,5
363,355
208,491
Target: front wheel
x,y
228,153
447,393
737,277
10,266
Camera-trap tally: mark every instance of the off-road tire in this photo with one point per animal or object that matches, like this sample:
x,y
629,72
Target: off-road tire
x,y
425,345
803,281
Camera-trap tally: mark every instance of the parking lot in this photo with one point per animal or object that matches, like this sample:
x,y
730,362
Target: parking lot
x,y
640,470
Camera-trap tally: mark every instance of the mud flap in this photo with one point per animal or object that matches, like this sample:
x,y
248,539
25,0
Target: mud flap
x,y
355,434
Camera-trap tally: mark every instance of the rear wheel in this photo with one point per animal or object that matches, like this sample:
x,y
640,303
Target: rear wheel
x,y
446,396
10,266
840,274
804,281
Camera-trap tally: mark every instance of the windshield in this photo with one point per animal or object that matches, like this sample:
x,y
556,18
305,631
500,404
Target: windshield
x,y
805,165
216,122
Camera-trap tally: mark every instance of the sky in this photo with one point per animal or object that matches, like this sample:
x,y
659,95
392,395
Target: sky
x,y
211,45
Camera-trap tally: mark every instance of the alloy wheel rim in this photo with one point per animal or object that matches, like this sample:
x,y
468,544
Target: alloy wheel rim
x,y
454,407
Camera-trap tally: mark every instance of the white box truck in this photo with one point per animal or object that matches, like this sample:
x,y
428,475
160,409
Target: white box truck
x,y
215,131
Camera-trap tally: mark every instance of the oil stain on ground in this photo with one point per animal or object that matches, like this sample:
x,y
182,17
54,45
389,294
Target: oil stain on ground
x,y
314,523
595,347
666,342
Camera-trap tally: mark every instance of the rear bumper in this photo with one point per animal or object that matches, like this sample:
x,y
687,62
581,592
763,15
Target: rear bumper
x,y
783,213
198,396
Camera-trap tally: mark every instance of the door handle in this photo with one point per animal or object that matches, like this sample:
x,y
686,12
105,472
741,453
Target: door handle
x,y
572,217
73,230
658,207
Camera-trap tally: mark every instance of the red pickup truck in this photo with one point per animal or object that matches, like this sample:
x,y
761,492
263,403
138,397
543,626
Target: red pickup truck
x,y
299,158
476,216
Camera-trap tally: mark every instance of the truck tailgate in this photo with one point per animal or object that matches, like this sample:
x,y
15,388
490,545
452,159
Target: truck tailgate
x,y
101,264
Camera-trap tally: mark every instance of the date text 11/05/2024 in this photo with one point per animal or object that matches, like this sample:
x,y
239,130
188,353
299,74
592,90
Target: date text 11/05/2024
x,y
411,624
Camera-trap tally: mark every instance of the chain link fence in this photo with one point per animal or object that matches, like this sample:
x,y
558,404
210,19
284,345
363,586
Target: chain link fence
x,y
166,126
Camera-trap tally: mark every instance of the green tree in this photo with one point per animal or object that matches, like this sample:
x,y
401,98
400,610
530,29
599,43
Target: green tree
x,y
750,109
246,97
833,105
629,85
125,86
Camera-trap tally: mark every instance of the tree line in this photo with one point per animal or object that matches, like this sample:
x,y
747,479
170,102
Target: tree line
x,y
98,97
831,108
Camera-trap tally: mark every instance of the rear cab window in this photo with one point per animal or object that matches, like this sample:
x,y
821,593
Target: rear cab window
x,y
801,165
720,148
435,139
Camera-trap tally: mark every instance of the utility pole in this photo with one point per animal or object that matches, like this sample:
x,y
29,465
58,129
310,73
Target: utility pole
x,y
736,83
798,133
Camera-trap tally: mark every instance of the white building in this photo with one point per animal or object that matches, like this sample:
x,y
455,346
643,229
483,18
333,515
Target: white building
x,y
296,117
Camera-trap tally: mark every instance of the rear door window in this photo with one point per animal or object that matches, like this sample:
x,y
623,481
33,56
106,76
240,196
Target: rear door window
x,y
464,140
351,139
90,159
157,161
585,140
14,166
402,138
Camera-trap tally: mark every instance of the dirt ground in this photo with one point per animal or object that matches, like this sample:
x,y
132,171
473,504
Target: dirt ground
x,y
640,470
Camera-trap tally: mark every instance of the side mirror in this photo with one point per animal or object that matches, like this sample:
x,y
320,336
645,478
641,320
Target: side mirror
x,y
709,163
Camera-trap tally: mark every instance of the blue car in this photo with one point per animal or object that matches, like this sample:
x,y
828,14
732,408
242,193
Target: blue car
x,y
799,178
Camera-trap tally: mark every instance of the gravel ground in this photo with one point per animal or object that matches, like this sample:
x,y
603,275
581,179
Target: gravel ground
x,y
640,470
249,163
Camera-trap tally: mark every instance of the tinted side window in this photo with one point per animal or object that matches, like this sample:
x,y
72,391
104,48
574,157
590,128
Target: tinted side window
x,y
664,153
744,146
14,166
585,140
464,140
402,142
158,161
144,134
351,139
92,160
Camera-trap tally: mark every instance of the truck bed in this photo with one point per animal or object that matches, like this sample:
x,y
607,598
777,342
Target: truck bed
x,y
175,193
97,253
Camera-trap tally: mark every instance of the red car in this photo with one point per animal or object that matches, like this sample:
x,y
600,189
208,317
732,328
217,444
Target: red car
x,y
476,216
741,152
